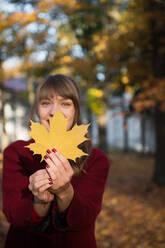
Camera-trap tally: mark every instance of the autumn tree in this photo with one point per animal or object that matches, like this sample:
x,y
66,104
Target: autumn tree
x,y
152,95
140,46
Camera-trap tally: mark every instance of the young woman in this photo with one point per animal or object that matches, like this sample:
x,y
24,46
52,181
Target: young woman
x,y
53,203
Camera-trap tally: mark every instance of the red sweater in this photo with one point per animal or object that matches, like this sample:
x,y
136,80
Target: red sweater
x,y
76,227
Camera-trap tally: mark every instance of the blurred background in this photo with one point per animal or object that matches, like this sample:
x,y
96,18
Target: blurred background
x,y
115,51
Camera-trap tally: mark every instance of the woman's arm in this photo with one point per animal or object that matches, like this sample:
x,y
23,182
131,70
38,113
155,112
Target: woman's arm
x,y
41,207
39,183
17,199
64,197
88,193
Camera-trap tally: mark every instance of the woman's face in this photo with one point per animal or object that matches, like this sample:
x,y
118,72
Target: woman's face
x,y
48,107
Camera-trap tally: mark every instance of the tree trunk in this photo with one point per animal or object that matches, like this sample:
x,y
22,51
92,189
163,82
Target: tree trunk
x,y
143,130
30,89
102,122
125,128
4,136
158,64
102,139
89,118
159,170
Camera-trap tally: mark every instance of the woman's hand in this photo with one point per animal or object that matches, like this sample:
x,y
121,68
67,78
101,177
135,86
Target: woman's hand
x,y
60,171
39,183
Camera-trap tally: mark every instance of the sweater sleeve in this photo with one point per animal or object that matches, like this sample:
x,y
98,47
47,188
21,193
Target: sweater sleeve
x,y
35,218
17,199
88,193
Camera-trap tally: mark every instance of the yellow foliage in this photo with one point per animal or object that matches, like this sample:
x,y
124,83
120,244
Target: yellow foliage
x,y
58,137
125,80
72,4
129,89
105,232
122,29
31,17
66,70
65,60
101,42
151,95
44,6
94,100
22,19
95,92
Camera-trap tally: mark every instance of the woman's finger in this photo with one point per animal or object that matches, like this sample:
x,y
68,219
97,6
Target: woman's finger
x,y
39,184
60,160
64,161
57,162
38,175
50,167
40,172
41,177
44,187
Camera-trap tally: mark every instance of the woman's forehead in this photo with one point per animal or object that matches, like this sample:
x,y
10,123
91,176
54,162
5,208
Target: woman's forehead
x,y
55,96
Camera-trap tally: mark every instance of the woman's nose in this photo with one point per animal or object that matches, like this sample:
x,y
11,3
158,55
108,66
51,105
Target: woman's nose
x,y
53,109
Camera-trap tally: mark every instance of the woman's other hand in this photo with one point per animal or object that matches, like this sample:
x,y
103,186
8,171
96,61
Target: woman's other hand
x,y
39,183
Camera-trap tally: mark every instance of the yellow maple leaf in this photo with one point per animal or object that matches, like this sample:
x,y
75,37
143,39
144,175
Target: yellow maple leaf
x,y
58,137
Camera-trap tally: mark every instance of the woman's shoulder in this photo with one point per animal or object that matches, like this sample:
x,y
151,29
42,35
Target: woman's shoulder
x,y
98,153
18,145
18,149
96,158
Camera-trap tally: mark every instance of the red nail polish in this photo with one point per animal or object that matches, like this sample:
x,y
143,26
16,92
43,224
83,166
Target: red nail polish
x,y
47,166
48,151
45,157
50,179
54,150
51,183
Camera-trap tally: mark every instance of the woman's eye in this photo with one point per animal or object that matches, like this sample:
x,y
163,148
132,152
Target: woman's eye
x,y
65,104
45,103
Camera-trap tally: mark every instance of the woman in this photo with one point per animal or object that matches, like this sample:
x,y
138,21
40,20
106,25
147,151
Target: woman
x,y
53,203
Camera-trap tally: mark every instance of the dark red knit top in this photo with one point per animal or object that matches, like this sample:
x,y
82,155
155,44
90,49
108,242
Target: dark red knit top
x,y
74,229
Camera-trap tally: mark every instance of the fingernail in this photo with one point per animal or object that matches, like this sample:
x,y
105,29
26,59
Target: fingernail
x,y
51,183
47,166
48,151
50,179
54,150
45,157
